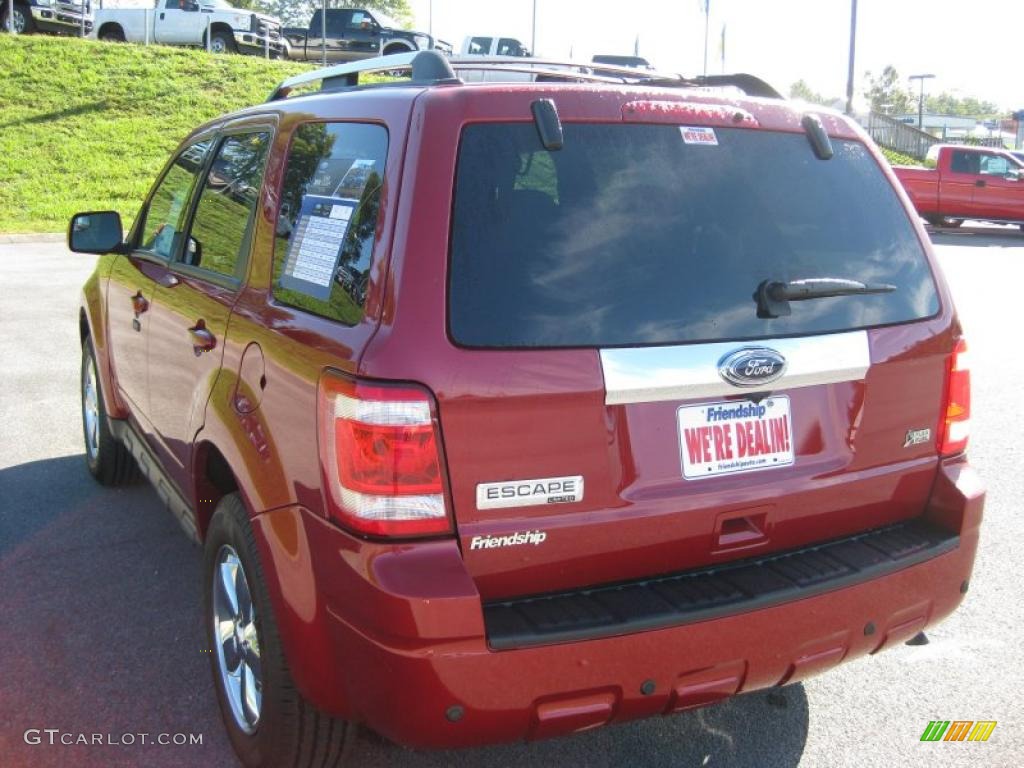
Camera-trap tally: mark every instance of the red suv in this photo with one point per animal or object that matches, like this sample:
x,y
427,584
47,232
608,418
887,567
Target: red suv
x,y
504,411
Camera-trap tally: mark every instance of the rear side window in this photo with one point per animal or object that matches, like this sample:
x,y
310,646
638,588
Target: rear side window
x,y
327,224
629,235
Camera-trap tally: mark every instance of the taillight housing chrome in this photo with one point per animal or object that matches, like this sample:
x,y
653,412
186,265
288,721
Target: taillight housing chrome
x,y
380,457
954,429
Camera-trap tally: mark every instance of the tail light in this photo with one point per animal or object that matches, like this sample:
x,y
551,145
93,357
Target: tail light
x,y
380,457
956,413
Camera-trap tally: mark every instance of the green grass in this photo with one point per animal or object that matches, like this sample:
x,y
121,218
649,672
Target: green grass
x,y
87,125
898,158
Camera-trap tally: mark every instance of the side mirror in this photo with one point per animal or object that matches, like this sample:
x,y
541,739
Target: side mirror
x,y
96,232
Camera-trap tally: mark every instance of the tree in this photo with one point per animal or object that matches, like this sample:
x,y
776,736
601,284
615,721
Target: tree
x,y
300,12
802,91
968,106
887,95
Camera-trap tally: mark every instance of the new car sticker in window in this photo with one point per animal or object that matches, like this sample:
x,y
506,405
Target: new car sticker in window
x,y
699,135
316,244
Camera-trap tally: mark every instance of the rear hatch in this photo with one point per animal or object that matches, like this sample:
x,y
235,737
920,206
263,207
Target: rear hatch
x,y
625,407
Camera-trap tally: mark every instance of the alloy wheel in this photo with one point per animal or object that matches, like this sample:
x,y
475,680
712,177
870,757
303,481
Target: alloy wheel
x,y
235,632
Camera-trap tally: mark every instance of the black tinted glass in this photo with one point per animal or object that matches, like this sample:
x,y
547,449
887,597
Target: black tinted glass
x,y
631,235
327,224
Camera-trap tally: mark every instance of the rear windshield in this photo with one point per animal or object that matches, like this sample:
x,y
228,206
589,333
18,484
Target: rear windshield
x,y
631,234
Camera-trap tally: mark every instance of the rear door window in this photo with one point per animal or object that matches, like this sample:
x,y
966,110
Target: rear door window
x,y
630,235
327,224
220,229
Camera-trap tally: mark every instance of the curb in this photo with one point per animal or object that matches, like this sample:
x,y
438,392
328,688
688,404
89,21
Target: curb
x,y
41,237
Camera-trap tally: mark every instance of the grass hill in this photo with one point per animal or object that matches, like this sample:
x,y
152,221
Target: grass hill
x,y
87,125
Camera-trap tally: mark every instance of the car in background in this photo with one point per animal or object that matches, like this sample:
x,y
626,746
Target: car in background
x,y
355,33
637,62
190,22
493,45
966,182
51,16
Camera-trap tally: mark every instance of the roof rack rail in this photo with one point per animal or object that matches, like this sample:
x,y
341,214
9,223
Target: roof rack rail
x,y
431,68
427,68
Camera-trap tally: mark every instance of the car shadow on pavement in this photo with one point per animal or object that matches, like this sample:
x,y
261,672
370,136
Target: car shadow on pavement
x,y
102,633
977,237
765,728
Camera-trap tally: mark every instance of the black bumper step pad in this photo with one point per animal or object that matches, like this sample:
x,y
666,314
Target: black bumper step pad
x,y
714,591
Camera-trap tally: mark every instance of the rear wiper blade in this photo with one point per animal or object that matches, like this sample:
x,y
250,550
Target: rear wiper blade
x,y
773,297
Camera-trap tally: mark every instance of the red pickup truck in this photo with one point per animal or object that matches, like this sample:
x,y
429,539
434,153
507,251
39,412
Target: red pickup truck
x,y
967,183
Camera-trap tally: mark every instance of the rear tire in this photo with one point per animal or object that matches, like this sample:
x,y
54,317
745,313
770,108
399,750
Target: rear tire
x,y
274,726
221,42
107,458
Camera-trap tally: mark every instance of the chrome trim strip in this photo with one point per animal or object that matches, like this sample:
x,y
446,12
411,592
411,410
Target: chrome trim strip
x,y
652,374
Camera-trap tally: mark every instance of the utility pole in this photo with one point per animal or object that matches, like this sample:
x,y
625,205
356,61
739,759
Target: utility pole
x,y
707,23
920,99
533,31
323,35
10,17
430,18
853,55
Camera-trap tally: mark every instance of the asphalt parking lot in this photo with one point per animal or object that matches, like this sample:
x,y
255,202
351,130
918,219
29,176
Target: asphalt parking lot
x,y
99,591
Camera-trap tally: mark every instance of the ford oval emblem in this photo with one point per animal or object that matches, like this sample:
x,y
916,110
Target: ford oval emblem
x,y
752,366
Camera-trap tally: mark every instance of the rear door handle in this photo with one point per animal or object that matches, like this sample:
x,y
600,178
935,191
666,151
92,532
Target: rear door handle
x,y
202,339
979,183
139,303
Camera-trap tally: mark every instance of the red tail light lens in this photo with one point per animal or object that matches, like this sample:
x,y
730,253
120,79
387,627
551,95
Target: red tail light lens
x,y
956,413
380,458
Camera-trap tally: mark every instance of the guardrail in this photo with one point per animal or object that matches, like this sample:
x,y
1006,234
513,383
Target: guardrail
x,y
894,134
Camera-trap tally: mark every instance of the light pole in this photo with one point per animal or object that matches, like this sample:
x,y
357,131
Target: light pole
x,y
533,31
853,52
707,23
430,18
920,99
10,17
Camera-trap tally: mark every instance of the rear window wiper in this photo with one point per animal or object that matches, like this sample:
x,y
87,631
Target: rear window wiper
x,y
773,297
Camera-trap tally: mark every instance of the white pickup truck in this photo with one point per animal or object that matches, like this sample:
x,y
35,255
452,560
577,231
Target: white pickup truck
x,y
492,45
186,22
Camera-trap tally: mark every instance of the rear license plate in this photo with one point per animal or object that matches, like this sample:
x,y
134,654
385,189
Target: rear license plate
x,y
735,436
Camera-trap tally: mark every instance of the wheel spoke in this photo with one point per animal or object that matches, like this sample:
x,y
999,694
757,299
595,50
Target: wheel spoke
x,y
243,599
251,696
252,662
226,586
232,657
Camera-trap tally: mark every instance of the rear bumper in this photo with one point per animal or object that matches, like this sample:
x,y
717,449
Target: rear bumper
x,y
394,636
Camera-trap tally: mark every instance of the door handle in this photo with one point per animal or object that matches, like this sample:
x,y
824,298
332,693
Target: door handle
x,y
202,339
161,17
979,183
139,303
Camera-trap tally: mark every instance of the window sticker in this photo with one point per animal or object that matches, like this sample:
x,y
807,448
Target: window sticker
x,y
316,244
699,135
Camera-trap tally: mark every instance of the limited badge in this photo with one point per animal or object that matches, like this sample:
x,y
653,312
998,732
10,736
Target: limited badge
x,y
528,493
917,436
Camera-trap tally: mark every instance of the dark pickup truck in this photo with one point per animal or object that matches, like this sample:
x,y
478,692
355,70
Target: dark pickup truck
x,y
355,33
